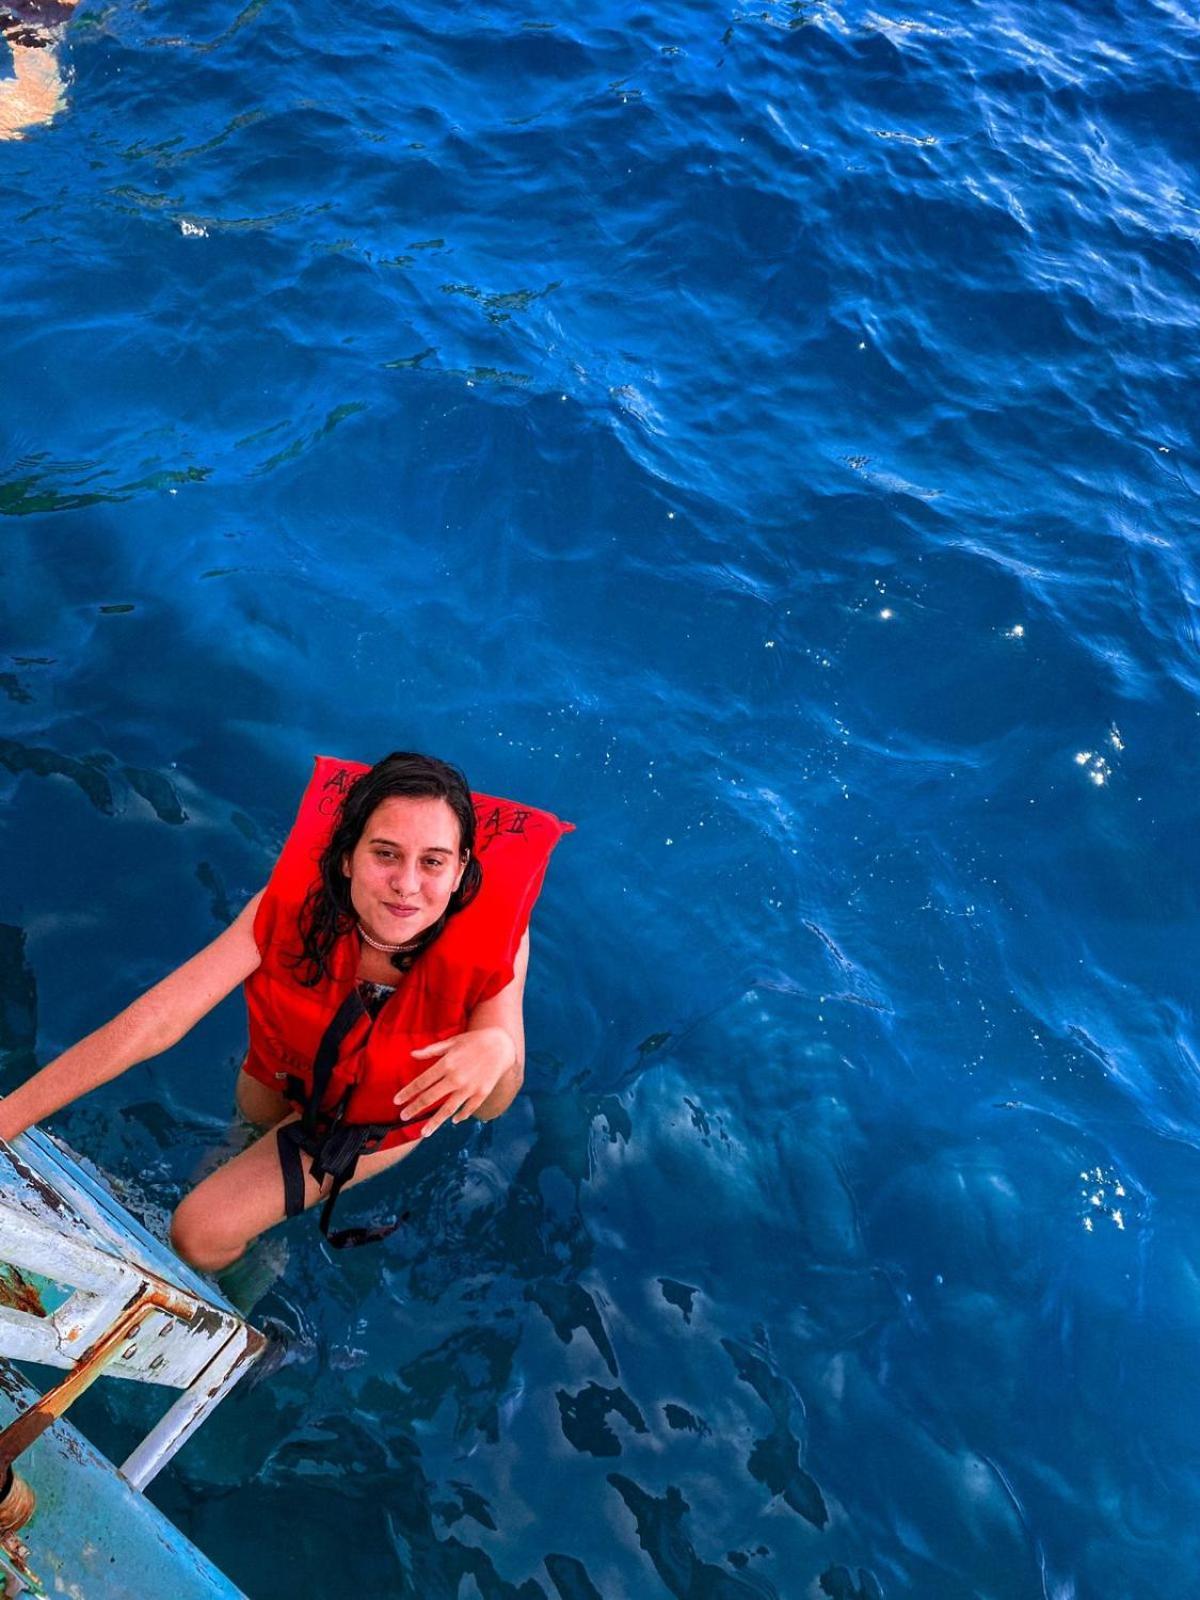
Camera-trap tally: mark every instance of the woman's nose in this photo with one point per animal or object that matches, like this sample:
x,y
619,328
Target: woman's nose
x,y
403,880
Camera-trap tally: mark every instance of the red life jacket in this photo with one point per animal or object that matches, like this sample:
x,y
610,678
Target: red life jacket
x,y
470,961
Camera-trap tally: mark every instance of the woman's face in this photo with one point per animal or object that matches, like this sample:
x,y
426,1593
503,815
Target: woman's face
x,y
404,868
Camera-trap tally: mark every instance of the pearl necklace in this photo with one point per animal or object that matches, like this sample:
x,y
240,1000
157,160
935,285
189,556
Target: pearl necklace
x,y
386,949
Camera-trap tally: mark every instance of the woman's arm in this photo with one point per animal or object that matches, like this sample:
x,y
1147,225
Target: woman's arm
x,y
476,1073
30,98
153,1023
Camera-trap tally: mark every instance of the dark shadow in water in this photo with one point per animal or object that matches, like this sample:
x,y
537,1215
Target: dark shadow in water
x,y
681,1420
18,1005
380,1483
87,774
157,791
571,1308
473,1367
15,690
45,763
838,1583
432,1565
570,1578
660,1532
38,493
210,879
470,1504
775,1460
585,1418
682,1295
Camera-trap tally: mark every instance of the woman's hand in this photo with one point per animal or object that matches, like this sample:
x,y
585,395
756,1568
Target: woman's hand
x,y
466,1070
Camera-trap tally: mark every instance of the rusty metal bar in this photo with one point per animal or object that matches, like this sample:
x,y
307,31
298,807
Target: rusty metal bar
x,y
31,1424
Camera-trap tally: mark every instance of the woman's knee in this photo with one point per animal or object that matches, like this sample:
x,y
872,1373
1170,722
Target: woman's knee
x,y
202,1243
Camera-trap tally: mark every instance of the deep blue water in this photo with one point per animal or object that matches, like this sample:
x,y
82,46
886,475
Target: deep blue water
x,y
766,437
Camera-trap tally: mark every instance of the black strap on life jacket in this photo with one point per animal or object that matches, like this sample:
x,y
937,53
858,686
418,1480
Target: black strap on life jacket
x,y
351,1010
334,1155
334,1145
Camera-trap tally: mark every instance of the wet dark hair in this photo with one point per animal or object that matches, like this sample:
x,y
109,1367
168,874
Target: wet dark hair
x,y
327,913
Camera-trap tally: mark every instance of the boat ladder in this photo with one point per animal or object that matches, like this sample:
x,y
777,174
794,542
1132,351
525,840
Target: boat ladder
x,y
84,1288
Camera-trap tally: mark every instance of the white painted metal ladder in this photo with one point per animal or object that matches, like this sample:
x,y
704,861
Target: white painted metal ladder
x,y
89,1290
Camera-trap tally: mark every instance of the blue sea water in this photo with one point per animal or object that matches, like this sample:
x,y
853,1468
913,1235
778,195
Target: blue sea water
x,y
766,436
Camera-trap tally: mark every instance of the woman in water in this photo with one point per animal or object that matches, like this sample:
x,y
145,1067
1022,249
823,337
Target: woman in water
x,y
384,969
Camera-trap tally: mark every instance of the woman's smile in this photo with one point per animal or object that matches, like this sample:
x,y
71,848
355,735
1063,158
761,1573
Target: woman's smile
x,y
405,867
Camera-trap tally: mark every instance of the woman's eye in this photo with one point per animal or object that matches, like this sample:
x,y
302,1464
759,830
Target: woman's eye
x,y
432,863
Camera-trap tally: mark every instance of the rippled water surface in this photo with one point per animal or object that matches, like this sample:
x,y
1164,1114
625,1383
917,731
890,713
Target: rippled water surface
x,y
766,437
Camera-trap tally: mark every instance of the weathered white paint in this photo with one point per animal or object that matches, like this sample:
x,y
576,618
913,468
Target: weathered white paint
x,y
58,1221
